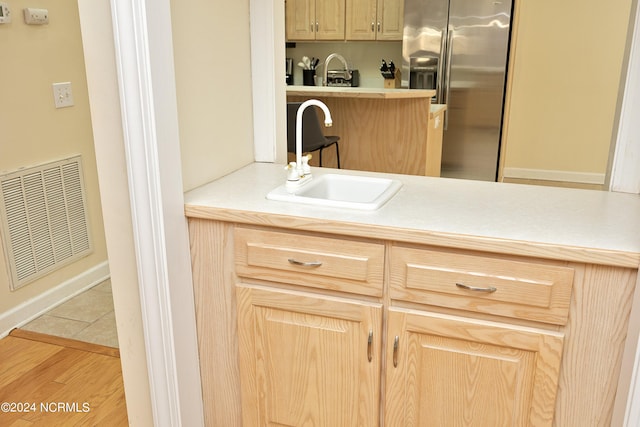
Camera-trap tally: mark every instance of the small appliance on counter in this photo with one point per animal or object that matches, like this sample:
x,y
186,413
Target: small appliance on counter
x,y
289,71
343,78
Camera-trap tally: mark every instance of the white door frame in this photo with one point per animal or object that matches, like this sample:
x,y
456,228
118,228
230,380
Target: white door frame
x,y
144,56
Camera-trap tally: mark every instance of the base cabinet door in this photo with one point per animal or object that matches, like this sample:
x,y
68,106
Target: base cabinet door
x,y
308,360
444,370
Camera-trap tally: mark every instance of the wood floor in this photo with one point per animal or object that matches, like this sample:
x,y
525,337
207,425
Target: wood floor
x,y
50,381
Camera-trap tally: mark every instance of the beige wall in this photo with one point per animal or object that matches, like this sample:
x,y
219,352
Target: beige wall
x,y
213,82
566,73
33,131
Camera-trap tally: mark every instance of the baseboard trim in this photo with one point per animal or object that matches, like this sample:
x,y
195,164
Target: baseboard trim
x,y
29,310
555,175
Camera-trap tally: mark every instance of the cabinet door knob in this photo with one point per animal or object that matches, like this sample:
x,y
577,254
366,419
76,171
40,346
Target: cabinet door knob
x,y
488,289
396,341
370,346
304,263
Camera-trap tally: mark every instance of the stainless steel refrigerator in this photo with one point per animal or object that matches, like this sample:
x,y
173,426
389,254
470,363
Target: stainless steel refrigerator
x,y
460,49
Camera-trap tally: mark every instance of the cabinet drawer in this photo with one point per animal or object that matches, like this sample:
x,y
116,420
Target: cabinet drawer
x,y
520,289
319,262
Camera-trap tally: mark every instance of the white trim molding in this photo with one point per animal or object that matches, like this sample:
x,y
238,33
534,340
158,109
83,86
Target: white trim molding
x,y
263,81
144,57
625,170
555,175
35,307
268,80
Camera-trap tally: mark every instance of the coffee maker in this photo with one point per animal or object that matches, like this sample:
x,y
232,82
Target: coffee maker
x,y
289,71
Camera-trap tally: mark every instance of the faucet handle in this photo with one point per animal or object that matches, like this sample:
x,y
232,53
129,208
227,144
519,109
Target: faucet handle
x,y
292,172
306,169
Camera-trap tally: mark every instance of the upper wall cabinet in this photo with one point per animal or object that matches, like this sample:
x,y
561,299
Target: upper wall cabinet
x,y
374,19
315,19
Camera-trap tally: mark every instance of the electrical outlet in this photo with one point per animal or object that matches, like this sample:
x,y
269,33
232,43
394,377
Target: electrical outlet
x,y
62,95
34,16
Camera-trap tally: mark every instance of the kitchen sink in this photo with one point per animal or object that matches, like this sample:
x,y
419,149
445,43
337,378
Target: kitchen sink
x,y
340,191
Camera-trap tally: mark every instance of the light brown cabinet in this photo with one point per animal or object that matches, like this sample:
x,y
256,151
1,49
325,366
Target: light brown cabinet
x,y
461,370
374,19
315,20
447,370
298,327
308,358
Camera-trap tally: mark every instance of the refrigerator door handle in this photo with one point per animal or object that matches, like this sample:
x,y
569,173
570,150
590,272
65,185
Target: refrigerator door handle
x,y
441,68
447,74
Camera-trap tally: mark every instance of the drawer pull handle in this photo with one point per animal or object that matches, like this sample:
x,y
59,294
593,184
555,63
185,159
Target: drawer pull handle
x,y
488,289
396,341
305,264
370,346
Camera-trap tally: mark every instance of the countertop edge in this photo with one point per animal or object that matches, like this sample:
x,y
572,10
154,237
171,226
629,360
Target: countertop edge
x,y
364,93
426,237
437,109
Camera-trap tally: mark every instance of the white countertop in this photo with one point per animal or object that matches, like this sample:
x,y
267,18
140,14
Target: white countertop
x,y
545,221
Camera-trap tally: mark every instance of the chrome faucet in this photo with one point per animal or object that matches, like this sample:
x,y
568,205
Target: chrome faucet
x,y
326,68
300,172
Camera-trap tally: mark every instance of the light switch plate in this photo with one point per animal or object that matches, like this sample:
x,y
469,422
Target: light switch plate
x,y
62,94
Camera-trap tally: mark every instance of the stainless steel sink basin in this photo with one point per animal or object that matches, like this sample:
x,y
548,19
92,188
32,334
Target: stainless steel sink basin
x,y
340,191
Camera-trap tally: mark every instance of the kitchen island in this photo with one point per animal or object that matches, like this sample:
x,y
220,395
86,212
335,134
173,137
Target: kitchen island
x,y
528,290
381,130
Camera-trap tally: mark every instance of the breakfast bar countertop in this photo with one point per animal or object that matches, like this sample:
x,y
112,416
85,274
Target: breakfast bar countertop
x,y
549,222
359,92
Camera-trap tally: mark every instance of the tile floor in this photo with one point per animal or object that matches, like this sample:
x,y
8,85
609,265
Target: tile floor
x,y
87,317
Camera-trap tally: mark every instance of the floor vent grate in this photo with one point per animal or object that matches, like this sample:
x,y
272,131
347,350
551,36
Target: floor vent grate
x,y
43,219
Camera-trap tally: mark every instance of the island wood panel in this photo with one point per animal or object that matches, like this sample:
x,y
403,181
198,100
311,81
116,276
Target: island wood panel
x,y
434,140
380,135
594,343
216,321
